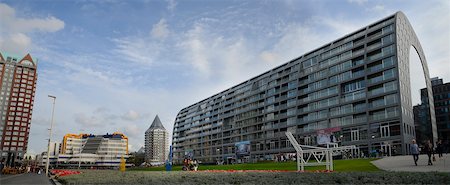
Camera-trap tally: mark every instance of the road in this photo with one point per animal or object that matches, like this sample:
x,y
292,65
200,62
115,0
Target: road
x,y
26,178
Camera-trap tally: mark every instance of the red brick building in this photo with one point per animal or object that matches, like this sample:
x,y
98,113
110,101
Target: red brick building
x,y
18,85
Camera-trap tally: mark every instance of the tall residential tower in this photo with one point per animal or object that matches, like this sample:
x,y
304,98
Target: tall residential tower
x,y
355,91
18,84
156,143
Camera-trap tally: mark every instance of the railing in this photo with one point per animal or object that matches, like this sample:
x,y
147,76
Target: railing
x,y
376,45
353,96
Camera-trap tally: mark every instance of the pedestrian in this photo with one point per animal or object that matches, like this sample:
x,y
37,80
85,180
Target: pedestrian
x,y
195,164
2,165
429,151
439,148
415,151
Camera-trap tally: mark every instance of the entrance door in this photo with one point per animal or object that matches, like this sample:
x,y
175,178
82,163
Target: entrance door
x,y
230,160
386,149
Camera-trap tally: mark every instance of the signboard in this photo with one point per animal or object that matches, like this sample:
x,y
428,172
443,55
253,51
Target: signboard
x,y
189,153
242,148
325,136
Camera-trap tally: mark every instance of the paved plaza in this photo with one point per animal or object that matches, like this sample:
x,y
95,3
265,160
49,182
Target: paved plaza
x,y
406,163
26,178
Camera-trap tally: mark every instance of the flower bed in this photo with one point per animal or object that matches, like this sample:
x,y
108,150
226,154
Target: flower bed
x,y
313,171
60,173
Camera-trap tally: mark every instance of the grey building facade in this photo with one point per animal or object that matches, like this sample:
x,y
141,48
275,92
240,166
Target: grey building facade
x,y
355,89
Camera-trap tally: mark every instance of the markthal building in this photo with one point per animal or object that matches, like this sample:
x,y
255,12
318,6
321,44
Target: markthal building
x,y
355,90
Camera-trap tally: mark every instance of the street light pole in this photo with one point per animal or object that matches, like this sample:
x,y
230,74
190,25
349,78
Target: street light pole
x,y
50,135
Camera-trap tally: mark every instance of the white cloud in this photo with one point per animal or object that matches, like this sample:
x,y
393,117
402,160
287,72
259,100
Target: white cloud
x,y
379,8
99,117
132,130
87,121
268,56
359,2
139,50
131,115
160,30
196,50
16,42
14,30
171,5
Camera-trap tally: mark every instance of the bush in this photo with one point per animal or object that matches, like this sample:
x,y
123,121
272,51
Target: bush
x,y
179,177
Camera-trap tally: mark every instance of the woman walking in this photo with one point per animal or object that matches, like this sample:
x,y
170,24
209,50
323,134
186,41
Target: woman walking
x,y
415,151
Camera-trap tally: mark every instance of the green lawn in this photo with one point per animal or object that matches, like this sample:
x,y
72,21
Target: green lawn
x,y
339,165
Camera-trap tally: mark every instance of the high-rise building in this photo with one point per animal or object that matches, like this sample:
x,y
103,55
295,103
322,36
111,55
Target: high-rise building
x,y
441,96
354,91
18,84
156,143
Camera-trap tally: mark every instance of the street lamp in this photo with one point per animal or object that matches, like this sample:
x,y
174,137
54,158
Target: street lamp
x,y
50,135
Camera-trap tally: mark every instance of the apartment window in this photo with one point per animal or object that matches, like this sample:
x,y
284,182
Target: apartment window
x,y
291,111
270,116
271,99
353,86
292,93
291,102
271,91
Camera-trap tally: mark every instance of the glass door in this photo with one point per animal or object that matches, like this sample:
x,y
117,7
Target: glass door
x,y
384,131
354,135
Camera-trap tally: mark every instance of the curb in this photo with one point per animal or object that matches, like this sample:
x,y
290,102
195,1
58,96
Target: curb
x,y
54,181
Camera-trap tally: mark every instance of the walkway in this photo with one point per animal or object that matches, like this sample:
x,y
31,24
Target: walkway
x,y
406,163
26,178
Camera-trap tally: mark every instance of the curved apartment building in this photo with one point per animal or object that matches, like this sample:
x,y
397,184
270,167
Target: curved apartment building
x,y
353,91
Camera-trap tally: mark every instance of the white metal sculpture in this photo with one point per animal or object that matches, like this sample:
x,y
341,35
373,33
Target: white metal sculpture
x,y
320,156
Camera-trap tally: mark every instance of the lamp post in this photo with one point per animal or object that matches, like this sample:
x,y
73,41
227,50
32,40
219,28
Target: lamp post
x,y
50,135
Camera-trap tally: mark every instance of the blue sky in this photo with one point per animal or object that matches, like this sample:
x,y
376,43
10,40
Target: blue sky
x,y
114,65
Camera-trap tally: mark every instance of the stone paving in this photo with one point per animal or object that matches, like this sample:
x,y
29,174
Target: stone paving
x,y
25,178
406,163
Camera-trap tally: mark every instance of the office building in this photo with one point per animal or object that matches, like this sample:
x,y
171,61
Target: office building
x,y
55,148
18,84
441,96
156,143
353,91
88,150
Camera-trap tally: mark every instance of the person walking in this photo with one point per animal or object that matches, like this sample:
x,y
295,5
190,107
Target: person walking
x,y
415,151
429,151
2,165
439,148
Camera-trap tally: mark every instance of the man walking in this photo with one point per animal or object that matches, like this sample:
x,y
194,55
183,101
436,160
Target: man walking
x,y
429,151
415,151
439,148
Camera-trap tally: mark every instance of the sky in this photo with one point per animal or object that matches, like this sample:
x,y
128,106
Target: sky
x,y
114,65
